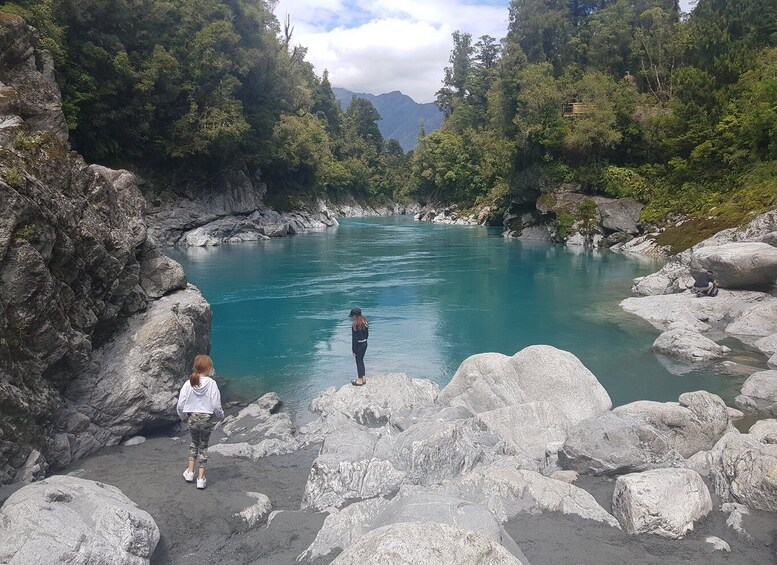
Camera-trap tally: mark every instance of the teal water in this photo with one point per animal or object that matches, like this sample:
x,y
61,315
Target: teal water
x,y
434,295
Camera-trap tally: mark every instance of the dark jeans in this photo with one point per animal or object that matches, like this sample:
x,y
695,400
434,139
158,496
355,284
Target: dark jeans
x,y
361,349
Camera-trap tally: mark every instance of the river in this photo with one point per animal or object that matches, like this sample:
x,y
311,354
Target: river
x,y
434,295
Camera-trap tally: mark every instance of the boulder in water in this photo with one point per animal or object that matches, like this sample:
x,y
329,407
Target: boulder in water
x,y
688,345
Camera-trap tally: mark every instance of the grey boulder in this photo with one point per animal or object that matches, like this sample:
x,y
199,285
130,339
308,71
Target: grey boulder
x,y
759,393
430,543
665,502
745,265
490,381
160,275
69,520
620,215
688,345
645,435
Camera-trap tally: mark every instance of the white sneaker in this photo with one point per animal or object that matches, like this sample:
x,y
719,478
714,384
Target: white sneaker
x,y
201,483
188,476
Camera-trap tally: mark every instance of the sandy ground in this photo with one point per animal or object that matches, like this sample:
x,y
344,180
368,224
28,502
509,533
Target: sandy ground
x,y
198,526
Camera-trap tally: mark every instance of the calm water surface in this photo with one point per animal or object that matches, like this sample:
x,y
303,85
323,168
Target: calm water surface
x,y
434,295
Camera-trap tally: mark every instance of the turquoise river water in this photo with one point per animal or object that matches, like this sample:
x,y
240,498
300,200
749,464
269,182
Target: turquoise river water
x,y
434,295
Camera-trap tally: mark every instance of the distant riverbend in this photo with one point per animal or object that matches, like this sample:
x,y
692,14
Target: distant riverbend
x,y
434,295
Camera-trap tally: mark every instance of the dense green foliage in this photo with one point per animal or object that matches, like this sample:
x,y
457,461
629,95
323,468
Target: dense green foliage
x,y
624,97
208,84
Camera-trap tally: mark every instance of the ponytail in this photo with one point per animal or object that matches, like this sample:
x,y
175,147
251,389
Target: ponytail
x,y
359,322
203,365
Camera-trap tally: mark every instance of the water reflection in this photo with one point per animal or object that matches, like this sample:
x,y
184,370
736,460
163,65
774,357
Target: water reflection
x,y
434,295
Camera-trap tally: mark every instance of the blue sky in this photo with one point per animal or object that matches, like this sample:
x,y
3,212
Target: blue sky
x,y
383,45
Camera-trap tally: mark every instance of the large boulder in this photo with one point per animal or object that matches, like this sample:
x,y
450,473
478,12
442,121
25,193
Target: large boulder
x,y
136,377
69,520
620,215
685,310
688,345
537,373
759,393
665,502
746,265
645,435
373,405
429,543
673,277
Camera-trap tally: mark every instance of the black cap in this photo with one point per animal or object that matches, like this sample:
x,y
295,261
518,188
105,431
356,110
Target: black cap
x,y
355,312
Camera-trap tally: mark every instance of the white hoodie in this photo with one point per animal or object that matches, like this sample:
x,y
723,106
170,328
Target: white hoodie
x,y
205,399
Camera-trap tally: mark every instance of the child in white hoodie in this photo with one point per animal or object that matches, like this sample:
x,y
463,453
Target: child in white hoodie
x,y
199,404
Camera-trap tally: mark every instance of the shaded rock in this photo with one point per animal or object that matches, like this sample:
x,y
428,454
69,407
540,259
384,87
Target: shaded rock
x,y
688,345
532,233
404,419
621,215
645,435
745,471
527,428
225,230
665,502
538,373
69,520
136,440
137,376
160,275
745,265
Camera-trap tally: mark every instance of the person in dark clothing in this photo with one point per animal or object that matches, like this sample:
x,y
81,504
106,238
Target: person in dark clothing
x,y
705,285
360,331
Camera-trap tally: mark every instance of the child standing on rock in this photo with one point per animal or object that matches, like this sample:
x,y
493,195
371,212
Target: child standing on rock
x,y
359,333
199,404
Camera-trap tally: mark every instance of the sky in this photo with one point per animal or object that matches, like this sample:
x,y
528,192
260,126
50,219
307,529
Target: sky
x,y
379,46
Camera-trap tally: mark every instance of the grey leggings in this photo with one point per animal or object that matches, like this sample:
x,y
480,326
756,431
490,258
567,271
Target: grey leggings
x,y
200,426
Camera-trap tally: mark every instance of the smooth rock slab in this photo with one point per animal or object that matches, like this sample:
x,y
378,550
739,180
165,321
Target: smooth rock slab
x,y
738,265
490,381
688,345
64,519
413,543
665,502
757,320
374,403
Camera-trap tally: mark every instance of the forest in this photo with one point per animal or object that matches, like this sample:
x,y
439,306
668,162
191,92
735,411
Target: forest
x,y
621,97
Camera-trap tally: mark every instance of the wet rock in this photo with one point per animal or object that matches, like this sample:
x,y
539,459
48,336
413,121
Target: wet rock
x,y
665,502
69,520
747,265
490,381
759,393
427,542
688,345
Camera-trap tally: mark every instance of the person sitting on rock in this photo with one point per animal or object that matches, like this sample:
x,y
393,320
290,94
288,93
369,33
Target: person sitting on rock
x,y
705,285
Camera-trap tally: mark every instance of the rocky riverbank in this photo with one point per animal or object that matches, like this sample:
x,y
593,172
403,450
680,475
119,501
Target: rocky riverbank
x,y
518,459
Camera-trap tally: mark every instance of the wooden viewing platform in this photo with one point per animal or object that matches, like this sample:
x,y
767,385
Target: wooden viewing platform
x,y
577,109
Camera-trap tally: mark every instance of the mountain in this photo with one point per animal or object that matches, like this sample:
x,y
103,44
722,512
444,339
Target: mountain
x,y
401,115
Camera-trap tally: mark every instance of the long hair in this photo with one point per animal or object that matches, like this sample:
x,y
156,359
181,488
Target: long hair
x,y
359,322
203,365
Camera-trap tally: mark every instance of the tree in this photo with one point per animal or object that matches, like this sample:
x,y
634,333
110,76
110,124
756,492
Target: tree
x,y
458,74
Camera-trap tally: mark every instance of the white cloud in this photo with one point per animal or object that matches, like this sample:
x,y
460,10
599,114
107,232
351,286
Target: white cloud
x,y
383,45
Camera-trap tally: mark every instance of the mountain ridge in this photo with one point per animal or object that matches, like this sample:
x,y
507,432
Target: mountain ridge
x,y
401,115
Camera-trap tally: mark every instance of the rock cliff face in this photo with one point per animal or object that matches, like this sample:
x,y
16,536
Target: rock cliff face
x,y
77,286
